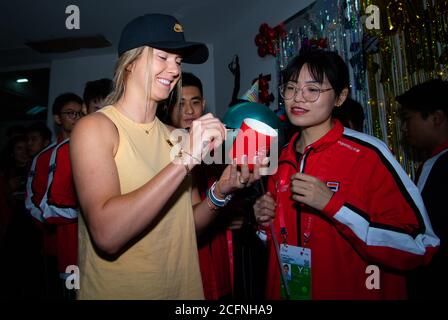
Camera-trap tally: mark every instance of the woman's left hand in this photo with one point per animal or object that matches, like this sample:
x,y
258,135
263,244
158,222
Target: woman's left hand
x,y
310,191
231,179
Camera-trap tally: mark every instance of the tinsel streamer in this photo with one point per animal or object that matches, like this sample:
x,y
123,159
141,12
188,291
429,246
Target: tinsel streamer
x,y
413,47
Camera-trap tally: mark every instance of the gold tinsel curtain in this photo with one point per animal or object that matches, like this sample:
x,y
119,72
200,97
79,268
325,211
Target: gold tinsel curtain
x,y
410,47
413,44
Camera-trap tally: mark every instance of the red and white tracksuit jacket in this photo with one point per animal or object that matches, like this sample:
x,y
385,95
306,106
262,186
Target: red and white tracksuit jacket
x,y
215,246
375,217
51,199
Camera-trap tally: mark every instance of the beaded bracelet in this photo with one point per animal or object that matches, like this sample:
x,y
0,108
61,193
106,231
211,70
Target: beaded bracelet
x,y
214,199
211,205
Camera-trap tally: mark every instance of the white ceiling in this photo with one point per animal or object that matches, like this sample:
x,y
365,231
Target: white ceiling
x,y
23,21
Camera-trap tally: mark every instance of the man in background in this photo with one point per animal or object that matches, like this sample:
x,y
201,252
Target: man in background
x,y
38,136
424,114
94,94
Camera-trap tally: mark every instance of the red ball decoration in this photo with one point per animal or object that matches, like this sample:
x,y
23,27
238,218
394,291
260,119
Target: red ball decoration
x,y
280,31
260,40
272,34
263,84
267,38
264,28
264,96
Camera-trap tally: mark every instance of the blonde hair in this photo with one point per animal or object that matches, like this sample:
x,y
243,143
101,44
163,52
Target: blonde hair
x,y
121,73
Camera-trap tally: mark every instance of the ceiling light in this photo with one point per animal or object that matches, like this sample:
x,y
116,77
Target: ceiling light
x,y
36,110
22,80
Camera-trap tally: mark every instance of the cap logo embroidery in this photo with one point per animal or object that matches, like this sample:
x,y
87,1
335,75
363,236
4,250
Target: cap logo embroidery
x,y
178,28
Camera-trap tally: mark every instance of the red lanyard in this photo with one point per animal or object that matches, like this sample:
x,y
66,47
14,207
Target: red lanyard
x,y
307,232
283,186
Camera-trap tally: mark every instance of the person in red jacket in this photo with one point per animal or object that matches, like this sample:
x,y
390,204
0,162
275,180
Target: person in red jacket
x,y
213,249
341,210
51,198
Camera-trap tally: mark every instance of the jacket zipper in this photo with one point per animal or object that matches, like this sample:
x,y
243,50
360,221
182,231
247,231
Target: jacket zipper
x,y
303,158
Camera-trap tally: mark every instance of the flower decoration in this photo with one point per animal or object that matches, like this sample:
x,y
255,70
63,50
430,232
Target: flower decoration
x,y
267,39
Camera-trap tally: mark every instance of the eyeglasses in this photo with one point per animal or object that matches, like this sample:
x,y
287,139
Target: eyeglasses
x,y
310,92
73,114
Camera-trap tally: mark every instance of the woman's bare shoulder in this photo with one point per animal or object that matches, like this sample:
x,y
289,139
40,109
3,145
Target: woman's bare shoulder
x,y
95,126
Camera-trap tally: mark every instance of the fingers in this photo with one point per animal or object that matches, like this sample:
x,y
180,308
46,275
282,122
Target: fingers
x,y
256,173
303,177
214,123
265,202
305,184
264,220
301,187
233,171
245,173
299,198
264,209
213,137
206,133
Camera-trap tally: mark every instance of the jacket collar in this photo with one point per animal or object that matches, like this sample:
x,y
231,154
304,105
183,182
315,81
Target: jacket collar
x,y
439,148
289,151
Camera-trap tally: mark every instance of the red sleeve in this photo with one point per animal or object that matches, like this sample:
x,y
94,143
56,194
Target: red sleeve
x,y
60,203
386,222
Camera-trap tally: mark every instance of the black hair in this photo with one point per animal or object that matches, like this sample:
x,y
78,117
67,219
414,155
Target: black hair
x,y
98,89
426,98
320,63
64,99
350,111
41,128
189,79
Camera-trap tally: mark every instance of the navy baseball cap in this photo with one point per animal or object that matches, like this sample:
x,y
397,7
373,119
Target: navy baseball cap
x,y
162,32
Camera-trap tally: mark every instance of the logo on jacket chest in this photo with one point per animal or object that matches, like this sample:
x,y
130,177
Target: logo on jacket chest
x,y
333,186
282,185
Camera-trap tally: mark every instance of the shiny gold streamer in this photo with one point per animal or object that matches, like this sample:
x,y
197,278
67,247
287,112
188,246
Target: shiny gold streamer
x,y
413,48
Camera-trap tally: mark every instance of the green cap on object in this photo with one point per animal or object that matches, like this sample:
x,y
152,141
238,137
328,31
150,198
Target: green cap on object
x,y
235,115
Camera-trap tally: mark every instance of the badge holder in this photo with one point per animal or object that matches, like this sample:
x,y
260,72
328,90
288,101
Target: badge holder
x,y
296,268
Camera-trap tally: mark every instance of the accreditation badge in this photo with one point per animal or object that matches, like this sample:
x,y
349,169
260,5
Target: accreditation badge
x,y
296,269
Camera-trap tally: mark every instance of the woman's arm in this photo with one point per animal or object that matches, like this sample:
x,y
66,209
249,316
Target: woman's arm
x,y
204,211
114,218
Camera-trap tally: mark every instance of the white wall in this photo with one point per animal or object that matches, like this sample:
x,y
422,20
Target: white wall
x,y
205,72
239,39
70,75
236,37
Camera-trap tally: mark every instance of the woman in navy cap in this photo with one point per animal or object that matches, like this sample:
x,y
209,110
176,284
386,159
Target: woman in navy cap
x,y
137,233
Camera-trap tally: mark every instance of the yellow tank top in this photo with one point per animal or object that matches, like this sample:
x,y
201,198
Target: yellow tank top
x,y
163,262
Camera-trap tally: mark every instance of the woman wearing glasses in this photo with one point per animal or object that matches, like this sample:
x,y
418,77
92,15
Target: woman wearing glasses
x,y
351,218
